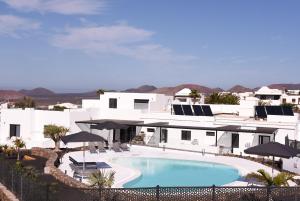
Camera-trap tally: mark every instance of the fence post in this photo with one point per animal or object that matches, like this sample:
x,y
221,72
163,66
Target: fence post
x,y
268,192
47,191
12,180
213,193
21,182
157,193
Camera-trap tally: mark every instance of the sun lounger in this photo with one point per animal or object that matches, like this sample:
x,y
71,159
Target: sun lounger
x,y
102,165
116,147
88,165
124,147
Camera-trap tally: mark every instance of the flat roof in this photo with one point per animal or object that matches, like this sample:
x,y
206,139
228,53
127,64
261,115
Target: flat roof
x,y
228,128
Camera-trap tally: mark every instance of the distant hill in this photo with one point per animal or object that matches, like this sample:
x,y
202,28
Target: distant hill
x,y
141,89
10,95
44,97
285,86
239,89
37,92
173,90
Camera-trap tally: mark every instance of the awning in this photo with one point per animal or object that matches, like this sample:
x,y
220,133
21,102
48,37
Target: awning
x,y
228,128
123,122
109,125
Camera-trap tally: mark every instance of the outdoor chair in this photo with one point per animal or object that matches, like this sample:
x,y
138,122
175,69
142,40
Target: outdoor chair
x,y
116,147
92,148
124,147
101,147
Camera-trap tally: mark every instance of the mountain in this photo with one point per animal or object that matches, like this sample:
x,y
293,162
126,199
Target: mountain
x,y
239,89
142,89
285,86
37,92
10,95
173,90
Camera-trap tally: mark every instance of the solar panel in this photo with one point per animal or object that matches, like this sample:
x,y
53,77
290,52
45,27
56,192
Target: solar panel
x,y
198,110
274,110
260,112
288,111
207,110
178,110
187,110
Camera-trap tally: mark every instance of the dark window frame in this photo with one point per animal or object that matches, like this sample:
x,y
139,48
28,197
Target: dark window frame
x,y
186,135
235,144
113,103
210,133
151,130
13,130
261,137
164,135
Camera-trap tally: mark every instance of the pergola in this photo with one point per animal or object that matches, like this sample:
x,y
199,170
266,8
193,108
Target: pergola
x,y
228,128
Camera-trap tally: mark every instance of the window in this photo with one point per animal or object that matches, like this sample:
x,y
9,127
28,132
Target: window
x,y
264,139
14,130
141,104
235,142
152,130
185,135
284,100
210,133
293,100
164,135
298,100
113,103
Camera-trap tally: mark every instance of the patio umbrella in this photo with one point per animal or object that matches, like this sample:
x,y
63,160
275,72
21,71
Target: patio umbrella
x,y
84,137
273,149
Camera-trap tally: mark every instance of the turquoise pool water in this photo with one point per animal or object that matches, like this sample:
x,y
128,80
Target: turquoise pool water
x,y
168,172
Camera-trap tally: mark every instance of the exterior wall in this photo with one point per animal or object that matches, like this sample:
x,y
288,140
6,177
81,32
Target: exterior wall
x,y
291,99
292,164
32,124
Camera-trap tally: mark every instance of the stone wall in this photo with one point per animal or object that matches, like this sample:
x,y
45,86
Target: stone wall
x,y
6,195
54,171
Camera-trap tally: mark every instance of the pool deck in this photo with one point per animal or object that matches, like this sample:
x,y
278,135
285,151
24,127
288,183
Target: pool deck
x,y
125,174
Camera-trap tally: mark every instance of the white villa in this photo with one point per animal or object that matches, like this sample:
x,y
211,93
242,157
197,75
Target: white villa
x,y
166,121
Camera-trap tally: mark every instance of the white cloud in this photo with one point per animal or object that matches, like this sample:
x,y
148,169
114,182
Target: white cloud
x,y
14,26
120,39
66,7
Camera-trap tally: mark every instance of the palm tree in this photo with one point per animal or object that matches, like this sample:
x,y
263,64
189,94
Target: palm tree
x,y
55,133
214,98
281,179
102,179
194,94
100,92
19,144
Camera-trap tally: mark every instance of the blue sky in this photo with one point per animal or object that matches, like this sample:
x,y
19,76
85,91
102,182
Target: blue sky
x,y
78,45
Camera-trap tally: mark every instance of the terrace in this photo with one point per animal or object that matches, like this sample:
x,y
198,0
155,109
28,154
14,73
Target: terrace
x,y
55,185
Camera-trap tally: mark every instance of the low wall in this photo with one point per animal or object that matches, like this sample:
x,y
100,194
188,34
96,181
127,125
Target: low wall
x,y
6,195
54,171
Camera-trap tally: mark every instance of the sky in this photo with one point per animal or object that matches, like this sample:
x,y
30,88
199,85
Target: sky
x,y
80,45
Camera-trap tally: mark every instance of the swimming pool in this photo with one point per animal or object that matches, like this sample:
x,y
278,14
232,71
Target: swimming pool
x,y
169,172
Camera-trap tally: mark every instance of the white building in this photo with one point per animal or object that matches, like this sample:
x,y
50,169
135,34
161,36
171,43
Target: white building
x,y
164,121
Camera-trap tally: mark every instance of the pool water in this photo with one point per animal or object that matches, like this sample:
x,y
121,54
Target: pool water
x,y
169,172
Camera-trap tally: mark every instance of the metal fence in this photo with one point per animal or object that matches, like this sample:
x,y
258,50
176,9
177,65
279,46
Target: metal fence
x,y
29,189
